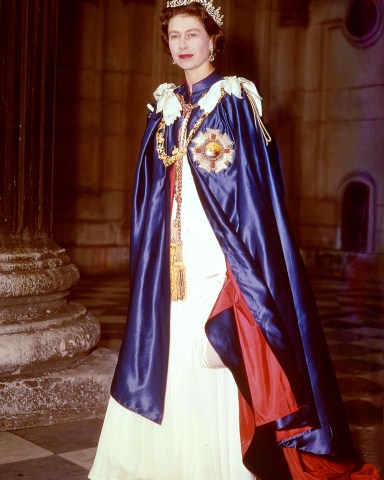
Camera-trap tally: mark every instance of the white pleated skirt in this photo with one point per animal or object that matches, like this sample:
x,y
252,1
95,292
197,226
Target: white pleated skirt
x,y
199,437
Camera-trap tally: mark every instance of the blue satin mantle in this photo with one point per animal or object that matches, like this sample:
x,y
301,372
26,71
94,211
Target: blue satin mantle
x,y
245,207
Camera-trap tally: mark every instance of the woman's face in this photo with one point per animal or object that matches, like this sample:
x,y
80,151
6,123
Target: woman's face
x,y
189,44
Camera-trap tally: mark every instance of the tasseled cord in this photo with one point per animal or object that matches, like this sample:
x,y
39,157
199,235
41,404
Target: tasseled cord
x,y
178,276
178,272
257,118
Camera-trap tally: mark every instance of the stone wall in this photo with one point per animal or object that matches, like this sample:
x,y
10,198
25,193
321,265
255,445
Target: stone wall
x,y
104,83
327,95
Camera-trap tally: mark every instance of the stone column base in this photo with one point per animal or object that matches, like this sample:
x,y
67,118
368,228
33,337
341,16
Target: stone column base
x,y
75,393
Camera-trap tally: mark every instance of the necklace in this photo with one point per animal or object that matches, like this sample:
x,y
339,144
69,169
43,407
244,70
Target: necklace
x,y
179,152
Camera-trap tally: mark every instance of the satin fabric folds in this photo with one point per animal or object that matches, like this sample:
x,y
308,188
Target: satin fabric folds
x,y
270,294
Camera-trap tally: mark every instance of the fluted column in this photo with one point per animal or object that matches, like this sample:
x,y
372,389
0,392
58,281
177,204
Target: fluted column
x,y
41,332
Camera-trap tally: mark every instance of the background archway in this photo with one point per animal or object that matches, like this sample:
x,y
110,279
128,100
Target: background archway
x,y
358,213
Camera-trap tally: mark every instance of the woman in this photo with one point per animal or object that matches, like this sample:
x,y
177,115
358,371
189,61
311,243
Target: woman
x,y
222,324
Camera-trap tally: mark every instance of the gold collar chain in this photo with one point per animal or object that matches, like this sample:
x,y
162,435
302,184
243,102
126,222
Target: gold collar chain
x,y
178,152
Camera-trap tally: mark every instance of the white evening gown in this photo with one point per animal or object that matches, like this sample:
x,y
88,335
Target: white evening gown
x,y
199,437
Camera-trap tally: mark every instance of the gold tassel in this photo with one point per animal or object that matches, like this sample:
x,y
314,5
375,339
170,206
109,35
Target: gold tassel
x,y
178,273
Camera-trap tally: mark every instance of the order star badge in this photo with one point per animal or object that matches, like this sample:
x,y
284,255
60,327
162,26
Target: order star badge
x,y
213,151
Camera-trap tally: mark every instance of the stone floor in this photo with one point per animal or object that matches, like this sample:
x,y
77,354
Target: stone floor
x,y
353,318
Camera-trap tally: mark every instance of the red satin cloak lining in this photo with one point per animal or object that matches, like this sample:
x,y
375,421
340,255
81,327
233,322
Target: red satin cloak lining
x,y
272,397
306,466
271,394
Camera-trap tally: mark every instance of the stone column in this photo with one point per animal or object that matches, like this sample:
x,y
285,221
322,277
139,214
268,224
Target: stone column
x,y
47,373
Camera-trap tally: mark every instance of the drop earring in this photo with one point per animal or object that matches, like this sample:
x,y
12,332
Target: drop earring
x,y
173,61
211,54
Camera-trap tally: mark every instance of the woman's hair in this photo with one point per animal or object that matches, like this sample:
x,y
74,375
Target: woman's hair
x,y
195,9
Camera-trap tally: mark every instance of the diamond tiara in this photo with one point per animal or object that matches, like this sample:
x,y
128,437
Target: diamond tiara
x,y
208,4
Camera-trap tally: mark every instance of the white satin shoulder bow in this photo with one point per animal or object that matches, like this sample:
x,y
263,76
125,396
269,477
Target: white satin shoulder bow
x,y
169,104
232,86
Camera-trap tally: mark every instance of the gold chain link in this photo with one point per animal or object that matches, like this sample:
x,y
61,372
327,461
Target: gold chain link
x,y
177,152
